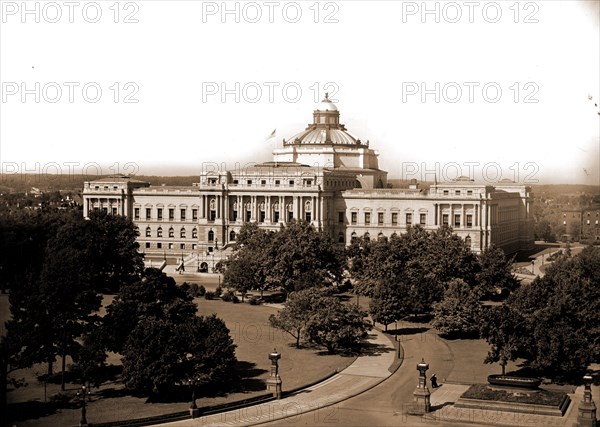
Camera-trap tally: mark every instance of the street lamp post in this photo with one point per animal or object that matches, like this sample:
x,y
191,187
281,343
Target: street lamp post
x,y
194,411
83,393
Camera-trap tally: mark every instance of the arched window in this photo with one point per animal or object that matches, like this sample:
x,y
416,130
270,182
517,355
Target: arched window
x,y
171,232
159,232
232,236
341,237
367,237
182,233
194,233
148,232
211,236
468,241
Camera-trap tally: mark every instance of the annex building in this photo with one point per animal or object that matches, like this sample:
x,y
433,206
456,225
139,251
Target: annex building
x,y
323,175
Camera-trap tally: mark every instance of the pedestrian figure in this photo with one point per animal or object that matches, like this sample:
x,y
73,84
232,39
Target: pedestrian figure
x,y
434,383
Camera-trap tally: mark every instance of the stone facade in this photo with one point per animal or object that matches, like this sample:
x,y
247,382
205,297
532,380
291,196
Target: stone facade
x,y
323,175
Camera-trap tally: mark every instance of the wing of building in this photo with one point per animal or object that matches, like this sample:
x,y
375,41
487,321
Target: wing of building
x,y
323,175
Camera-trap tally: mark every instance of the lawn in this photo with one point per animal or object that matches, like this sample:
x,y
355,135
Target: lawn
x,y
254,338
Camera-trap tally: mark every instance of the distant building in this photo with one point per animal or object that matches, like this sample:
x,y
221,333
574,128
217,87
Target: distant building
x,y
582,223
323,175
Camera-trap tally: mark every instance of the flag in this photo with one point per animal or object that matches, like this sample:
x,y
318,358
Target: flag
x,y
272,135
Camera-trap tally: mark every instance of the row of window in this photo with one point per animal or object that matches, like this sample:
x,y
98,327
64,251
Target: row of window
x,y
182,232
408,219
458,192
159,245
263,182
171,214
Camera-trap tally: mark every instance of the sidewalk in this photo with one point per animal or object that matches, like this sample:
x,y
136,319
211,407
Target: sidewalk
x,y
365,372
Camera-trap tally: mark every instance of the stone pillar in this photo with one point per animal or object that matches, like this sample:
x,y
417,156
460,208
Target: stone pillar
x,y
422,395
587,407
274,380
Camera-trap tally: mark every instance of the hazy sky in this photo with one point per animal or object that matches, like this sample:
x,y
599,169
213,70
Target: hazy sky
x,y
495,89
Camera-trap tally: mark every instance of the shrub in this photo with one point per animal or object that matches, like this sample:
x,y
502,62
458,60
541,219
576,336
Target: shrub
x,y
218,291
227,296
254,301
209,295
235,299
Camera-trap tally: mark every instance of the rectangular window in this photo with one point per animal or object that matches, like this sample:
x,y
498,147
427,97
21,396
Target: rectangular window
x,y
234,215
159,213
394,218
182,214
276,216
171,246
290,216
308,182
262,216
159,245
446,192
367,218
114,211
171,214
341,217
445,219
291,182
469,221
457,192
248,216
249,182
136,213
469,192
194,214
263,182
277,182
423,219
353,218
148,213
307,216
212,215
380,218
456,220
182,246
409,219
147,245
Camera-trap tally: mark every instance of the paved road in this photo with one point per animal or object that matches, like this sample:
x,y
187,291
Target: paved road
x,y
366,372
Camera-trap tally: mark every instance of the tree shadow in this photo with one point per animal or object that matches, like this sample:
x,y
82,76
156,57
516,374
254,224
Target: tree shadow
x,y
22,411
245,374
408,331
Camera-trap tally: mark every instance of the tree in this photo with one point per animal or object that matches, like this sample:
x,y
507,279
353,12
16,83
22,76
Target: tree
x,y
337,326
155,295
304,258
496,272
459,312
543,231
562,314
505,330
424,262
388,304
298,310
153,324
294,258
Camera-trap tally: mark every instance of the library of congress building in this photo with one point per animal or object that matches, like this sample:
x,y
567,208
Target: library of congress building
x,y
323,175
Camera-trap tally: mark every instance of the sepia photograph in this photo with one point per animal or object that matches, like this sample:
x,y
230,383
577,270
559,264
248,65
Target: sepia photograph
x,y
299,213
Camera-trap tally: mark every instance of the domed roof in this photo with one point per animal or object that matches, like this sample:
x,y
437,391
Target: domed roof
x,y
326,105
324,136
325,129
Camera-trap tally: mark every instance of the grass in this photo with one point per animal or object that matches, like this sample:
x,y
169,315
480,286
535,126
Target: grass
x,y
254,338
543,397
